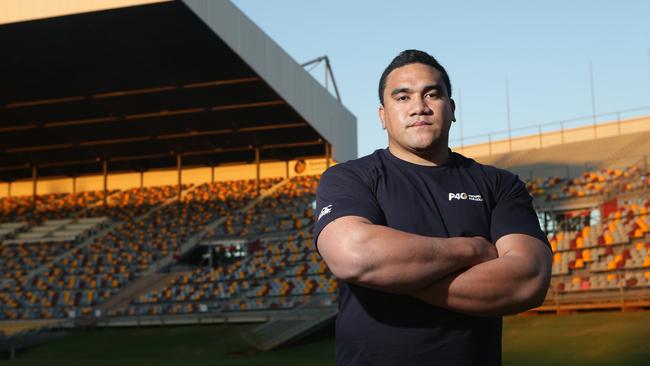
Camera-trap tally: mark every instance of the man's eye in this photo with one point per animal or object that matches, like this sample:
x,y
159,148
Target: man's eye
x,y
402,97
431,95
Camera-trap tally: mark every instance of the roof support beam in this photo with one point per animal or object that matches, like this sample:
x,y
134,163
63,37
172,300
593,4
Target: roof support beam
x,y
159,137
34,182
124,93
145,115
153,156
105,176
179,169
257,170
328,154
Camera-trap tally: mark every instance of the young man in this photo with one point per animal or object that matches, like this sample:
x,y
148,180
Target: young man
x,y
432,247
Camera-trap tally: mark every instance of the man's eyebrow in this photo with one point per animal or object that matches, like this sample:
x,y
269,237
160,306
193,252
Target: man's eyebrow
x,y
435,87
400,90
427,88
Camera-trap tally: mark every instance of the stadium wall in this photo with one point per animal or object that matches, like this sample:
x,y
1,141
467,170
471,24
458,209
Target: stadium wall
x,y
552,138
20,10
193,175
282,73
300,90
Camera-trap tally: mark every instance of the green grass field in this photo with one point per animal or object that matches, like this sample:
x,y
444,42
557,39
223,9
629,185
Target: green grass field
x,y
584,339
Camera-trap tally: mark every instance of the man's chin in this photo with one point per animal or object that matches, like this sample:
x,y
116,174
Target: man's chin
x,y
425,146
428,148
421,150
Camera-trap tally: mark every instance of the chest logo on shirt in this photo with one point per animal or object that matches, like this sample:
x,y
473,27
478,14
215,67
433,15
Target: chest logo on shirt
x,y
327,209
465,196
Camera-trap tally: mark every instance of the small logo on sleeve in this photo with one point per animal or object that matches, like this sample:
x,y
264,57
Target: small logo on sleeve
x,y
465,196
327,209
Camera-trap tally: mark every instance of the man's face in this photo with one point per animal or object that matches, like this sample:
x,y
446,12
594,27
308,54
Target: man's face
x,y
417,110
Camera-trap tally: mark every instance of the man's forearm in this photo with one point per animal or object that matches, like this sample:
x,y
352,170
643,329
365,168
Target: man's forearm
x,y
506,285
399,262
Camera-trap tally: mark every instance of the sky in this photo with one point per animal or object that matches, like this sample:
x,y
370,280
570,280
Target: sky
x,y
541,53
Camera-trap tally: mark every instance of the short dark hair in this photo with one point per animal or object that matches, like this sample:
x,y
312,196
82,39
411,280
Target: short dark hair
x,y
408,57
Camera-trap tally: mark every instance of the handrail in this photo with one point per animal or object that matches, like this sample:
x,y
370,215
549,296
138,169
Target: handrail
x,y
538,127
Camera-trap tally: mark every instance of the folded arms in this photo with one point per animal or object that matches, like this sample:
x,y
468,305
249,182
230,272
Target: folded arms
x,y
465,274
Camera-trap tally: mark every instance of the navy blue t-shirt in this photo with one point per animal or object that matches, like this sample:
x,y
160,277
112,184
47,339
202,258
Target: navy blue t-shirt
x,y
459,198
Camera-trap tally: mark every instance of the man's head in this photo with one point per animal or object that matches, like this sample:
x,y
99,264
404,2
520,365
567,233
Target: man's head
x,y
411,57
416,106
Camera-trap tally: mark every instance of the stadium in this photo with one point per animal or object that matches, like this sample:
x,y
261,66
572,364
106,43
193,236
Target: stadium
x,y
157,196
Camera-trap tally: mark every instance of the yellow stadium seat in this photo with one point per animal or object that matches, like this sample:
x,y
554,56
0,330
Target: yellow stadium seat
x,y
646,262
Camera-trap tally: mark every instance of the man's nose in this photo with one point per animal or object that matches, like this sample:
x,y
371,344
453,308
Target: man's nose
x,y
420,106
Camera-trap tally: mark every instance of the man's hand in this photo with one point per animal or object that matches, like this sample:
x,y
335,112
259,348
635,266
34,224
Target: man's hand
x,y
394,261
484,250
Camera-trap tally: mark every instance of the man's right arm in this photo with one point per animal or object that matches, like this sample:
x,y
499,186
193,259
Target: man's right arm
x,y
395,261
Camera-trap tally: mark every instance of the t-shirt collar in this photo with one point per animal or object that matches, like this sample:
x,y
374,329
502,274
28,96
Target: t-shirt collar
x,y
450,161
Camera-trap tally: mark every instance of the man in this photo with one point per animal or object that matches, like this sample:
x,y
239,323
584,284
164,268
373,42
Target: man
x,y
432,248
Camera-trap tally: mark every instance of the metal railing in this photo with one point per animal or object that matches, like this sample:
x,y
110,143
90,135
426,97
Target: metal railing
x,y
618,299
554,126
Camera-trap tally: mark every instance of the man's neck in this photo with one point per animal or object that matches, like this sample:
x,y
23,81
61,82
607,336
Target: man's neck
x,y
434,157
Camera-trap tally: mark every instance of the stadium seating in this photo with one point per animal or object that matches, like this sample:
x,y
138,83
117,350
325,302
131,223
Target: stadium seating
x,y
593,183
289,208
538,186
78,283
279,269
87,276
281,274
615,254
46,207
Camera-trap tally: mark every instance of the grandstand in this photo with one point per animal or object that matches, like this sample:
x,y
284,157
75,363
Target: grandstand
x,y
178,187
593,203
256,258
143,146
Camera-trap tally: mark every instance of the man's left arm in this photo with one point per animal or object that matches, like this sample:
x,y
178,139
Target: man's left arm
x,y
514,282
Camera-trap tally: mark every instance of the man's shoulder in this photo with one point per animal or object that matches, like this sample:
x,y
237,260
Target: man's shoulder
x,y
365,168
490,171
498,179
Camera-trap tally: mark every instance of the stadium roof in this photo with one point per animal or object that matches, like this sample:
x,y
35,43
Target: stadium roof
x,y
138,85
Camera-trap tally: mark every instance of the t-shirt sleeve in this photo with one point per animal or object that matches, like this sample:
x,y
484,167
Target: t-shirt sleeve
x,y
342,192
514,213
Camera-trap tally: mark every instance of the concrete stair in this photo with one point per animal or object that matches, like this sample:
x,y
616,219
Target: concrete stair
x,y
291,325
138,287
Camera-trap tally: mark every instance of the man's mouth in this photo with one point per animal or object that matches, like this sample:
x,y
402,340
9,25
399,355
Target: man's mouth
x,y
420,123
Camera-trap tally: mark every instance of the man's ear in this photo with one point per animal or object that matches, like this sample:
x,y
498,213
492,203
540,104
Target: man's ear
x,y
453,110
382,113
